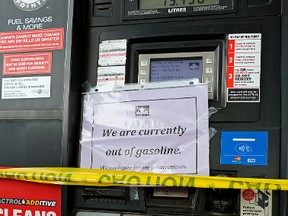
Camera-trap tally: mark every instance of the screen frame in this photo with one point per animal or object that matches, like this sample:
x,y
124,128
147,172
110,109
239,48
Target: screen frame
x,y
209,67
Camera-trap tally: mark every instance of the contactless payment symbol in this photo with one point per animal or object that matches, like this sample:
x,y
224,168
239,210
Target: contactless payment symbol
x,y
245,148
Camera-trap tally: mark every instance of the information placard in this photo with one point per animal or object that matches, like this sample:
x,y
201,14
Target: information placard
x,y
256,202
244,67
26,87
27,63
20,41
147,130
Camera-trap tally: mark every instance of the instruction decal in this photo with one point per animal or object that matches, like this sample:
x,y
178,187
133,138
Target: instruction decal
x,y
21,41
26,87
110,77
244,148
112,52
244,68
28,63
256,203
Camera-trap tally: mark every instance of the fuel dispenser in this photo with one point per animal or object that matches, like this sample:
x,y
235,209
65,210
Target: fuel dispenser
x,y
40,91
238,49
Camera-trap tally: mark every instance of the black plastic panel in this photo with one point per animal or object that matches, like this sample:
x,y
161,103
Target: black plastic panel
x,y
251,8
30,143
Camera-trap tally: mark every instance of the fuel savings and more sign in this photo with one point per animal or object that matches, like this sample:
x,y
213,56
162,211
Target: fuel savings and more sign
x,y
162,130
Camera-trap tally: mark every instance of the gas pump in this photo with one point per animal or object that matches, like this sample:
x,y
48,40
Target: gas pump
x,y
40,90
236,47
48,48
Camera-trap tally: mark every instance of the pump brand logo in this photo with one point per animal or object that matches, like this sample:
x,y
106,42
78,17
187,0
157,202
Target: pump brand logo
x,y
142,111
29,5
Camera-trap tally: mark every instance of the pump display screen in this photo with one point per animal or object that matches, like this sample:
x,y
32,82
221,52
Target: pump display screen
x,y
176,69
153,4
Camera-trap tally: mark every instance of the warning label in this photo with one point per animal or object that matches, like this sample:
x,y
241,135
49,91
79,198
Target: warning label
x,y
244,68
247,44
20,41
28,63
256,202
246,76
243,94
26,87
246,60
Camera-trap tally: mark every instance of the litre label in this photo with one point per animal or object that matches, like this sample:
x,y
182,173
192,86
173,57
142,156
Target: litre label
x,y
244,67
20,41
26,87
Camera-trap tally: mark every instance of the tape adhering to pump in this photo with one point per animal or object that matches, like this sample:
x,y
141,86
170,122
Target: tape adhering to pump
x,y
103,178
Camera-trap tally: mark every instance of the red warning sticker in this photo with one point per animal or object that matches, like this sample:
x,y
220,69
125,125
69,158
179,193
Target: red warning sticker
x,y
21,41
256,202
248,195
27,63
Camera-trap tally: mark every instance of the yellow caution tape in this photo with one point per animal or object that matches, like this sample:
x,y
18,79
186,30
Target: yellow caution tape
x,y
91,177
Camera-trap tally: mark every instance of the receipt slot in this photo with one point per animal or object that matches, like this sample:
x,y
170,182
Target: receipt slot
x,y
238,48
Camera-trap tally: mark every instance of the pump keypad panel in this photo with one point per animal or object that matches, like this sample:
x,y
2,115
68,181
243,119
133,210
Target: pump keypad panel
x,y
179,66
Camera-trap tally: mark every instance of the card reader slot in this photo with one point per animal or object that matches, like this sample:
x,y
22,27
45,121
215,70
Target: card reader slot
x,y
171,197
103,8
106,194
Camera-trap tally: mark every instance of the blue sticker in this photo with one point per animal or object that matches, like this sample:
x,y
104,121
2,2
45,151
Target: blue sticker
x,y
244,148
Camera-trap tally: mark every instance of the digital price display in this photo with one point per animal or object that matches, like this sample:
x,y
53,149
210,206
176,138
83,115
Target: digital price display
x,y
154,4
176,69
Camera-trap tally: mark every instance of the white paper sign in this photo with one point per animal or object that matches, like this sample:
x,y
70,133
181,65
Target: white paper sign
x,y
156,130
26,87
